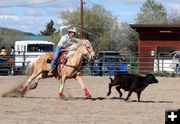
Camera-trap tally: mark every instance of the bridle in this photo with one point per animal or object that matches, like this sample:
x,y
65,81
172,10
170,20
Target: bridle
x,y
89,51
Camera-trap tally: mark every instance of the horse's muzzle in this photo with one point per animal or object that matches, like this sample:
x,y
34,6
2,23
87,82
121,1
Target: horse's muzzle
x,y
93,57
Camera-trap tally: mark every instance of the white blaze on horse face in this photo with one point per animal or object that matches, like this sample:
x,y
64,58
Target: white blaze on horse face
x,y
89,50
92,52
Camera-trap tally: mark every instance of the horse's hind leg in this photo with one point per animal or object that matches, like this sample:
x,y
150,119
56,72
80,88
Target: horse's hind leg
x,y
31,78
85,91
34,85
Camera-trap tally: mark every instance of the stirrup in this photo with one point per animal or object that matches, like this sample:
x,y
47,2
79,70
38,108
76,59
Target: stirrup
x,y
51,72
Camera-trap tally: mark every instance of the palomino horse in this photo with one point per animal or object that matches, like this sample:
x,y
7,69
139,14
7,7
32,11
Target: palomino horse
x,y
39,68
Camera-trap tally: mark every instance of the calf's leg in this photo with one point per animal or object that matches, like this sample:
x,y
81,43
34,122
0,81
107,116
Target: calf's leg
x,y
139,95
119,91
110,86
132,88
129,94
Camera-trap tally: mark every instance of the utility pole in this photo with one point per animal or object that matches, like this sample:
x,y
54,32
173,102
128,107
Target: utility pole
x,y
81,20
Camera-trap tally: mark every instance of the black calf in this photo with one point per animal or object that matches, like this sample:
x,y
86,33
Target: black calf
x,y
132,83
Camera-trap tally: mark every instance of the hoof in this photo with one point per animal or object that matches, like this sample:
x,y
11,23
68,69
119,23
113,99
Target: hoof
x,y
86,93
22,88
120,96
61,95
126,100
108,93
33,86
88,97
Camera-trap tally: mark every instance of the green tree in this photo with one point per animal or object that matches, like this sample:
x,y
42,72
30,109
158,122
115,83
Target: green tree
x,y
152,13
49,29
128,38
55,37
100,26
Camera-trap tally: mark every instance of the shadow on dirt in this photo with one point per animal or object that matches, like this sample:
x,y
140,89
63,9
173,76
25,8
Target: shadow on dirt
x,y
94,99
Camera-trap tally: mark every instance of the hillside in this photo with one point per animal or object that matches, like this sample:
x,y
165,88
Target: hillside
x,y
9,36
7,31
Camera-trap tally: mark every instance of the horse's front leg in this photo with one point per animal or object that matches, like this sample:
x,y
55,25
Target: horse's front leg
x,y
61,88
85,91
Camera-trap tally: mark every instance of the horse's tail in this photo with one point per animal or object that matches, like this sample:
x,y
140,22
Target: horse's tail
x,y
30,68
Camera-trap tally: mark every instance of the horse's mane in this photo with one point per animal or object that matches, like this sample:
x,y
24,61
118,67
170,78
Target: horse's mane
x,y
73,48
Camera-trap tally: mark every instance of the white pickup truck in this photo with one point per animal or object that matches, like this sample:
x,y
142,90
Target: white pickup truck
x,y
28,50
170,63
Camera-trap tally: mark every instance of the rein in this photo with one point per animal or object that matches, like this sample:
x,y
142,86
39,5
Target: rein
x,y
88,50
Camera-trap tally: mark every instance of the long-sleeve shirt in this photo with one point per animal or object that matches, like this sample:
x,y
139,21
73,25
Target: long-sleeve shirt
x,y
65,42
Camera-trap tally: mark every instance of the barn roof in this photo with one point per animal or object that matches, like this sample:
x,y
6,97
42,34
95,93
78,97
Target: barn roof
x,y
156,28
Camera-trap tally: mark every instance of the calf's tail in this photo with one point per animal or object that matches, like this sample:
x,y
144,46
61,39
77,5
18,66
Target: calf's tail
x,y
111,79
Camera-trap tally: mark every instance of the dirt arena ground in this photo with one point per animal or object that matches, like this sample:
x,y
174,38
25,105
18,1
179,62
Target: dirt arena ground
x,y
42,105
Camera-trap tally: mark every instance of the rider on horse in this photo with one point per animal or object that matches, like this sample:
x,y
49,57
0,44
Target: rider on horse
x,y
64,43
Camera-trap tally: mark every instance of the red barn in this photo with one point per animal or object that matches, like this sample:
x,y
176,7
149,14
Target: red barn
x,y
153,39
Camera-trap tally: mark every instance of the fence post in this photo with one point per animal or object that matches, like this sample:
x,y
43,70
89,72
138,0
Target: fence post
x,y
163,65
12,69
24,59
158,62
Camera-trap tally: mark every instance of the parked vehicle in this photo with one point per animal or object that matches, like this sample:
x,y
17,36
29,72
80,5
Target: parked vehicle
x,y
175,61
167,62
27,51
109,63
5,67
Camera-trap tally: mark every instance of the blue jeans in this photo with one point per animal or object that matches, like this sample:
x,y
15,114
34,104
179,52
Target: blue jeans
x,y
56,56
